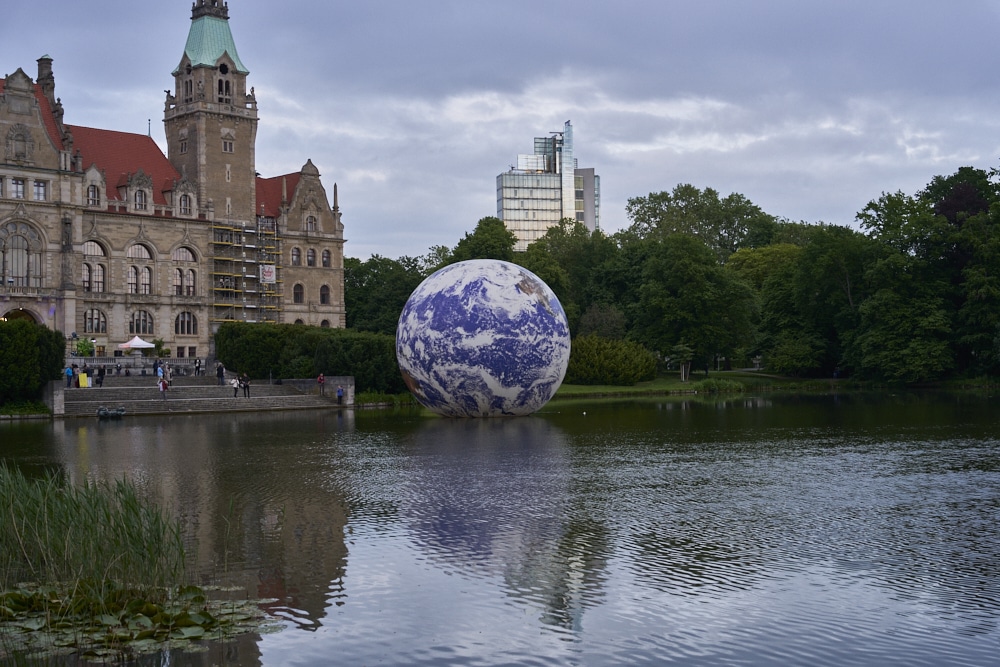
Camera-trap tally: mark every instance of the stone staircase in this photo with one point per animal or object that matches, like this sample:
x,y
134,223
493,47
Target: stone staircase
x,y
139,395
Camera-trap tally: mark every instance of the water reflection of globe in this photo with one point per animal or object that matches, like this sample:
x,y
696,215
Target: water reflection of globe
x,y
483,338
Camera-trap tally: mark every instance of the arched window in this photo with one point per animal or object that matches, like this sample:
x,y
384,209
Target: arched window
x,y
311,257
93,195
178,281
296,257
189,282
185,204
141,323
298,294
93,249
325,324
133,280
145,280
21,265
186,324
93,273
140,200
94,321
311,223
97,278
324,295
299,322
326,259
138,251
183,254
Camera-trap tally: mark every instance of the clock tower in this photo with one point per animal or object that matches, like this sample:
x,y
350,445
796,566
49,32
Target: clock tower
x,y
211,119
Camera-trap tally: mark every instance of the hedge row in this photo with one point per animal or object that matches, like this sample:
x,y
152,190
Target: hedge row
x,y
30,356
297,351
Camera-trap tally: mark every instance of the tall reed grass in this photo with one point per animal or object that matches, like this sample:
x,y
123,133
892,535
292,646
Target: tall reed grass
x,y
94,540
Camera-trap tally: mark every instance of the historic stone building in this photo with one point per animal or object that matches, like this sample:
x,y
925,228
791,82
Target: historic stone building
x,y
105,237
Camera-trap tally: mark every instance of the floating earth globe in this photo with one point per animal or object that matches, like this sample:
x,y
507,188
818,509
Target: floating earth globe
x,y
483,338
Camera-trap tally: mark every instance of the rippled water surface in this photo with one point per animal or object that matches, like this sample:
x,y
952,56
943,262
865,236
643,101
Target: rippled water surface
x,y
851,530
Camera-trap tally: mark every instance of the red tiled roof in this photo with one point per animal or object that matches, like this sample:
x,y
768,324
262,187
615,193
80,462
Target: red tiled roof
x,y
269,193
119,154
47,117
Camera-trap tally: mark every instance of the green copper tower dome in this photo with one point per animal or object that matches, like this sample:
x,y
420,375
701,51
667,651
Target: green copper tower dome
x,y
210,36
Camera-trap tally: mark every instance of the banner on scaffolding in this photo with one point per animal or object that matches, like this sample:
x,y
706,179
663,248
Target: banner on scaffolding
x,y
267,274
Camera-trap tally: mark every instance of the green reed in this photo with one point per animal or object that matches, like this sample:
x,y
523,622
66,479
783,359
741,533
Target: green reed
x,y
97,539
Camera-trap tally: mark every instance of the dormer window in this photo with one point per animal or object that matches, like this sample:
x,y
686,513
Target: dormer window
x,y
185,204
311,223
140,200
93,195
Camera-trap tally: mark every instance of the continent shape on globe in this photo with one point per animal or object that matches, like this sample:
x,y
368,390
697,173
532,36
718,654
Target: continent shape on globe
x,y
483,338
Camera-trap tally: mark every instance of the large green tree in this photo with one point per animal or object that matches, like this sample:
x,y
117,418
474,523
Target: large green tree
x,y
490,240
724,224
376,290
685,295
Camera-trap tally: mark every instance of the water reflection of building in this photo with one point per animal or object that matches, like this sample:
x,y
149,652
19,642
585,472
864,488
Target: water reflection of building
x,y
496,498
256,515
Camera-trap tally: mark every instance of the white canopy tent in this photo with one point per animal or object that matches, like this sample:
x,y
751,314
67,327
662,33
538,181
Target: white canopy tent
x,y
136,344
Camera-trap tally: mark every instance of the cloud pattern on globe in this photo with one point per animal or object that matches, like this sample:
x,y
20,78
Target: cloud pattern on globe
x,y
483,338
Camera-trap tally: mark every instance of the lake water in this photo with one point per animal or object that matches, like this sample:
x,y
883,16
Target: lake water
x,y
817,530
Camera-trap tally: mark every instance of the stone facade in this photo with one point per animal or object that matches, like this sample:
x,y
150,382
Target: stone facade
x,y
105,237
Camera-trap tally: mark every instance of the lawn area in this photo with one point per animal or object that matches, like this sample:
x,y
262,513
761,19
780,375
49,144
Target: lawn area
x,y
671,383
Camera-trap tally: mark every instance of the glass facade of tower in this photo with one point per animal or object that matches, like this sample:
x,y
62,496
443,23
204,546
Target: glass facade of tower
x,y
537,193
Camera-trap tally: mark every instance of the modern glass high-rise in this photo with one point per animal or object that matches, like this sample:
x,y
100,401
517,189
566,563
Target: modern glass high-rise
x,y
545,187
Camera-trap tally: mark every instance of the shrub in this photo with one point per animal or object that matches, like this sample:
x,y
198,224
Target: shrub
x,y
30,356
596,360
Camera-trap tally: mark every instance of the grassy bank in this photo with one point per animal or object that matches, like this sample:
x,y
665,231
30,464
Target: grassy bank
x,y
716,381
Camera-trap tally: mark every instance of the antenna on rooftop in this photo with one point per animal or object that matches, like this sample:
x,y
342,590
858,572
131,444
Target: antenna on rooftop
x,y
149,127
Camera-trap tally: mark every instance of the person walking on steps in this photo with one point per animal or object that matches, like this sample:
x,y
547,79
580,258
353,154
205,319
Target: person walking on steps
x,y
235,384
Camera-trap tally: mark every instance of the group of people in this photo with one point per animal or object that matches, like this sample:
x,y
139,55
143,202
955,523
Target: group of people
x,y
95,375
321,381
240,381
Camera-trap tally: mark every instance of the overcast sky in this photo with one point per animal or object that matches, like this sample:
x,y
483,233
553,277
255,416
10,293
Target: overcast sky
x,y
810,109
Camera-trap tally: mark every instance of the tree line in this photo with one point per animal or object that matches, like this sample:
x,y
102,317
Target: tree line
x,y
912,295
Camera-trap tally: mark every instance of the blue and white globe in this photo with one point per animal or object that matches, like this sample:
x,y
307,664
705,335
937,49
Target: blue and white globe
x,y
483,338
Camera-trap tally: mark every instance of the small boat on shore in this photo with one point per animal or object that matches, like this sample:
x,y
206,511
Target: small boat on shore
x,y
110,413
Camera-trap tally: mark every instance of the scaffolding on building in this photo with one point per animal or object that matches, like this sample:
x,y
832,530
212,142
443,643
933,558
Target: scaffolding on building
x,y
246,283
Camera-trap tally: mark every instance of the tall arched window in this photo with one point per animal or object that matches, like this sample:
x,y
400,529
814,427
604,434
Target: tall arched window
x,y
296,257
145,280
324,295
94,321
141,323
186,324
93,272
310,257
189,282
19,262
178,281
326,259
298,294
133,280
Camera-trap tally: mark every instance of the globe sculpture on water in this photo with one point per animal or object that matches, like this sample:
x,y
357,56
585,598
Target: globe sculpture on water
x,y
483,338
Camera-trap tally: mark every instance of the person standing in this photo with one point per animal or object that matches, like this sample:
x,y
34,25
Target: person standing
x,y
321,381
100,376
163,387
220,373
340,394
69,376
245,381
235,384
